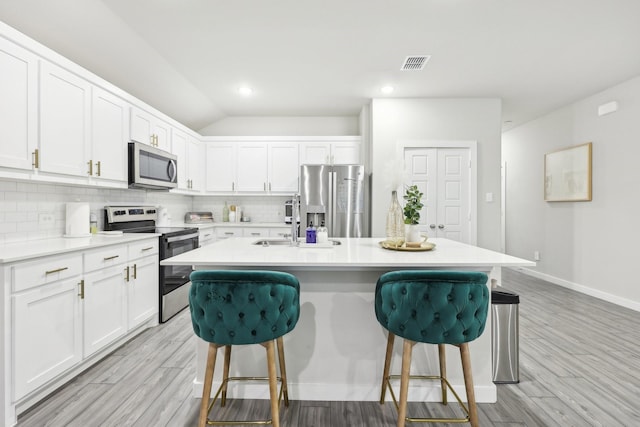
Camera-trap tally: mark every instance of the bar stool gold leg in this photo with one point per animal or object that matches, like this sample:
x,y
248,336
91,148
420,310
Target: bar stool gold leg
x,y
208,381
387,363
273,383
283,370
225,374
468,384
442,356
407,347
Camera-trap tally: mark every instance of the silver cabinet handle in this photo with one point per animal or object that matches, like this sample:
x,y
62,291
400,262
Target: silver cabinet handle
x,y
440,226
111,257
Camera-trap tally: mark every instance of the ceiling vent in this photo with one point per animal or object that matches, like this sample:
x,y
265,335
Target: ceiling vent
x,y
415,63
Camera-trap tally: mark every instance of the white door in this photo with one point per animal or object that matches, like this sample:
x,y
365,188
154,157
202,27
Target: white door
x,y
443,175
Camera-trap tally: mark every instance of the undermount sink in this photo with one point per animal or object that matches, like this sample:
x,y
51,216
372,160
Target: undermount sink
x,y
285,242
270,242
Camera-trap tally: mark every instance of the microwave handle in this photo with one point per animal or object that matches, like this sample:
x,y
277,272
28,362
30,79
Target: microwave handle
x,y
171,170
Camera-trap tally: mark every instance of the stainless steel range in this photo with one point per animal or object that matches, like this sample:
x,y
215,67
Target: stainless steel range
x,y
174,280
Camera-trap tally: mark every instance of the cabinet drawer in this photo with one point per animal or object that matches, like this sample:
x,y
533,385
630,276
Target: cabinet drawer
x,y
206,236
105,257
255,232
143,248
226,232
280,232
30,274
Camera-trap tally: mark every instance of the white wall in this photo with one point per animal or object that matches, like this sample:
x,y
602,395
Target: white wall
x,y
283,126
439,119
588,246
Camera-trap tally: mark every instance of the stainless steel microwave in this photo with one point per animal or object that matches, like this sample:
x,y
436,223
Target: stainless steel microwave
x,y
151,168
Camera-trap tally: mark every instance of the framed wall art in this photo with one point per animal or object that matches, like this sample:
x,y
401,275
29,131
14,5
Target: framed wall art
x,y
567,174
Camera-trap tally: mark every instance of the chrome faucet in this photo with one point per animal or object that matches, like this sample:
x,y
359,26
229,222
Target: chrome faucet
x,y
295,212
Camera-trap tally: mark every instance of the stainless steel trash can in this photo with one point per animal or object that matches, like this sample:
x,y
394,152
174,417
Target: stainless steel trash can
x,y
505,336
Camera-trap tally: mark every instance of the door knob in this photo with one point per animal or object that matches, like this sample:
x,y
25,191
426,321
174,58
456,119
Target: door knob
x,y
432,226
440,226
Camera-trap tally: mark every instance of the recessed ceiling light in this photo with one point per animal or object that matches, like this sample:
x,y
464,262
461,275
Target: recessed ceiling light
x,y
245,91
386,89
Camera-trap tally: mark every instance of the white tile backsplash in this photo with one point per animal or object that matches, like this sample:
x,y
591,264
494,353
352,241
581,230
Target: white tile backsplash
x,y
259,209
21,204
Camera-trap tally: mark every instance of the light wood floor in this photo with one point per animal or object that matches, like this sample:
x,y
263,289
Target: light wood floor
x,y
579,366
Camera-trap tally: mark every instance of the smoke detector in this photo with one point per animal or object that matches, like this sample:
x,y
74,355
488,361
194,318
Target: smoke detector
x,y
415,62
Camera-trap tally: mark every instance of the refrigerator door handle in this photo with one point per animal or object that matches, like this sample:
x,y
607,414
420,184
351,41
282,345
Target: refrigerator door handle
x,y
332,228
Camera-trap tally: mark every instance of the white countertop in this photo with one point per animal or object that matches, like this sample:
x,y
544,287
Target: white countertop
x,y
353,253
12,252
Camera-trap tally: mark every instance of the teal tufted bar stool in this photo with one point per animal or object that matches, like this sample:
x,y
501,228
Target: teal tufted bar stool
x,y
244,307
435,307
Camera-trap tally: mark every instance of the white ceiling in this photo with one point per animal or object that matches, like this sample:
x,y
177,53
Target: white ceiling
x,y
187,58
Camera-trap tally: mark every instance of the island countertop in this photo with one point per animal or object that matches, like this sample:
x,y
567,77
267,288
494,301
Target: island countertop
x,y
337,348
351,254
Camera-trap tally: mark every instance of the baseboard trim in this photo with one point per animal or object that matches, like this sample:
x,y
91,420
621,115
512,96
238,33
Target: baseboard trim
x,y
614,299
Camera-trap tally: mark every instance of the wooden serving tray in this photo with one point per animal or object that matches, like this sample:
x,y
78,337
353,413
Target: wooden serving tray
x,y
426,246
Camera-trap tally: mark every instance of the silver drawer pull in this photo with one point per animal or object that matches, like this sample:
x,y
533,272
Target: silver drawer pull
x,y
111,257
255,234
57,270
229,233
147,249
207,235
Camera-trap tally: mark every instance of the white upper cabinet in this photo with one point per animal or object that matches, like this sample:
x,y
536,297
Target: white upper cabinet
x,y
148,129
64,121
335,153
109,135
315,153
252,168
220,167
284,167
190,163
18,106
345,153
267,167
195,153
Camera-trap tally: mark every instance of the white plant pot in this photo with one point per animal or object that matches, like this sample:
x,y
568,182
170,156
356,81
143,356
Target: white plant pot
x,y
412,234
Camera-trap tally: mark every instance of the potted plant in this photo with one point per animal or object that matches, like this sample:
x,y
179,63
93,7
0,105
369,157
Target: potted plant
x,y
411,211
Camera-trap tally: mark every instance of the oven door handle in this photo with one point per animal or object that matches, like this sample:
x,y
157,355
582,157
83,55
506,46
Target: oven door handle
x,y
179,238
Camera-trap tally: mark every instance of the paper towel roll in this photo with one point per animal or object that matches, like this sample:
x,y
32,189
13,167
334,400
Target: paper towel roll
x,y
77,220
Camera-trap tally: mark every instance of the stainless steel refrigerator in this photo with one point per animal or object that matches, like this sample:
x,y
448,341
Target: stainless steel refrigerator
x,y
335,194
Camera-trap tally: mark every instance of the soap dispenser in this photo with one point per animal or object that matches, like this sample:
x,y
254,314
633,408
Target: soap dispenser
x,y
322,233
311,234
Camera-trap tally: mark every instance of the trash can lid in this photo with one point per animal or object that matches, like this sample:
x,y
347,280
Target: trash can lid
x,y
504,296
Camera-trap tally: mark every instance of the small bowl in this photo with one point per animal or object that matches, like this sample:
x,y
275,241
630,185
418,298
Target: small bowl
x,y
245,219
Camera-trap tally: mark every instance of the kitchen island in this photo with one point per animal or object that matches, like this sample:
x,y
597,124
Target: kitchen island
x,y
336,351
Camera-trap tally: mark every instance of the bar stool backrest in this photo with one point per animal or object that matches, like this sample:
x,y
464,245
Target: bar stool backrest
x,y
433,306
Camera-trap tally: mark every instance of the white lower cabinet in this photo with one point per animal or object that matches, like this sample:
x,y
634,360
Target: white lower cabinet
x,y
47,337
142,289
280,232
255,232
105,317
66,308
